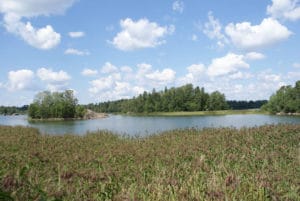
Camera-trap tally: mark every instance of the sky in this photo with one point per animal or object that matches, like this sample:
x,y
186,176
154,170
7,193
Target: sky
x,y
111,49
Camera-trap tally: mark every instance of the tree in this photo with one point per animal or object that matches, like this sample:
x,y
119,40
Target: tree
x,y
55,105
216,101
286,100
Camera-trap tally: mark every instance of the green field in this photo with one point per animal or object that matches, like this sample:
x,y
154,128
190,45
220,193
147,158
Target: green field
x,y
261,163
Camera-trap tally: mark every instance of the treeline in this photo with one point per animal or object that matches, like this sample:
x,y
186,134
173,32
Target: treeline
x,y
285,100
10,110
185,98
240,105
55,105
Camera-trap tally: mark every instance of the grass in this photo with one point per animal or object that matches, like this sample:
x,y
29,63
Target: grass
x,y
261,163
202,113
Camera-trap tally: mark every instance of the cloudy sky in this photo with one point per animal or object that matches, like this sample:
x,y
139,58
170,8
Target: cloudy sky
x,y
112,49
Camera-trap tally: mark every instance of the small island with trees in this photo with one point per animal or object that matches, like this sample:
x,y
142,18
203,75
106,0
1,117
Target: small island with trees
x,y
59,106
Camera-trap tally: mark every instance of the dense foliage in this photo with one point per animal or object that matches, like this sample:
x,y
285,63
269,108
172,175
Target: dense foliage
x,y
260,163
285,100
240,105
55,105
185,98
10,110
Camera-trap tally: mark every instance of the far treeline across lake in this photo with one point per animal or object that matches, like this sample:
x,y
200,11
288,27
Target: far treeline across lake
x,y
63,105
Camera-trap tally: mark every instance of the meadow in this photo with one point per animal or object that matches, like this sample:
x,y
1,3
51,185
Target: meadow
x,y
260,163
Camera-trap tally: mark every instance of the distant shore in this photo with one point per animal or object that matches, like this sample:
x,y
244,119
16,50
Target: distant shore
x,y
201,113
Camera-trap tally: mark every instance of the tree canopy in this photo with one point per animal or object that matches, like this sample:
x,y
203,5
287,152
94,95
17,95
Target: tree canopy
x,y
184,98
285,100
55,105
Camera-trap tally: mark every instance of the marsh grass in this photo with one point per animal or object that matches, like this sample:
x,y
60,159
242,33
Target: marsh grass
x,y
260,163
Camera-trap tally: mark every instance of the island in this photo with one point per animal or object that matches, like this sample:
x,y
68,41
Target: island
x,y
59,106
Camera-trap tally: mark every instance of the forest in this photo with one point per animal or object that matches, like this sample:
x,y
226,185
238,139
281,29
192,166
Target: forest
x,y
285,100
184,98
13,110
55,105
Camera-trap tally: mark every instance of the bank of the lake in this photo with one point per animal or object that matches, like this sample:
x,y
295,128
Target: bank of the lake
x,y
260,163
89,114
203,113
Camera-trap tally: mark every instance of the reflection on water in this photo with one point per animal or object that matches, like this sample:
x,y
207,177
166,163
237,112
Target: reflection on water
x,y
142,126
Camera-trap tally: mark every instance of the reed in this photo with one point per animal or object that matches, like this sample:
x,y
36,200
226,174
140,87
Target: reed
x,y
260,163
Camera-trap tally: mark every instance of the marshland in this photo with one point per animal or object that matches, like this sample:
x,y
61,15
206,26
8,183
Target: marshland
x,y
259,163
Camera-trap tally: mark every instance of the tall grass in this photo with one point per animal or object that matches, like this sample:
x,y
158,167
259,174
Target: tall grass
x,y
261,163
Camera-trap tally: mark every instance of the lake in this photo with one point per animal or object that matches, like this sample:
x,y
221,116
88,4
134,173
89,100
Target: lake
x,y
142,126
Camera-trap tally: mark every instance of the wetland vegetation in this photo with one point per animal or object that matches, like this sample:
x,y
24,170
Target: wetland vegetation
x,y
260,163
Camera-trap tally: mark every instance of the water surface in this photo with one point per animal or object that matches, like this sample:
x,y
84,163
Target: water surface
x,y
142,126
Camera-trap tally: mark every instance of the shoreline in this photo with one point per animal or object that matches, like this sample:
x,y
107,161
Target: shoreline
x,y
88,115
199,113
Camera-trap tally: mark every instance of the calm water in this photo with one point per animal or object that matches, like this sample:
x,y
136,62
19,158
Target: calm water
x,y
148,125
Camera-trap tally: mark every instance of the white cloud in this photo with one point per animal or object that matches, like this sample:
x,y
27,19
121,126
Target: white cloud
x,y
89,72
247,36
55,80
284,9
30,8
109,68
126,69
254,56
140,34
240,75
126,82
76,34
213,30
51,76
227,64
296,65
195,73
178,6
268,77
101,84
73,51
20,80
163,77
41,38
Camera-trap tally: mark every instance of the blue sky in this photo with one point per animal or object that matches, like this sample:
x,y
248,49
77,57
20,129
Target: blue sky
x,y
107,50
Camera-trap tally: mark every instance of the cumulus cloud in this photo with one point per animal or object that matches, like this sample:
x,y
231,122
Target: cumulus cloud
x,y
240,75
254,56
140,34
109,68
55,80
178,6
89,72
72,51
125,82
29,8
41,38
213,30
163,77
227,64
20,80
247,36
52,76
195,73
76,34
284,9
